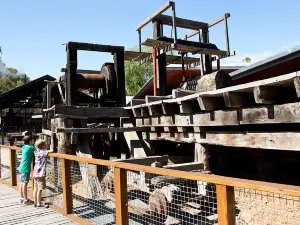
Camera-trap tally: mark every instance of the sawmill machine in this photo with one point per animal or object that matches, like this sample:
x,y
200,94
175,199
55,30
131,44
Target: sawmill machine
x,y
99,125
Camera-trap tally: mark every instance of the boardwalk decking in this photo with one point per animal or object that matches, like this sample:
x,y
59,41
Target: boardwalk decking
x,y
11,212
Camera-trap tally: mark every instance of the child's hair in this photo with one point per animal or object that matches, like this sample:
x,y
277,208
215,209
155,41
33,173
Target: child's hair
x,y
40,144
27,139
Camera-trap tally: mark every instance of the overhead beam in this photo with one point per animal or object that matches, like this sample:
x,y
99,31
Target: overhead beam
x,y
182,23
94,47
215,22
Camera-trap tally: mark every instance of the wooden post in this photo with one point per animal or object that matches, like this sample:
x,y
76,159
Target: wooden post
x,y
13,174
49,87
66,185
121,196
226,205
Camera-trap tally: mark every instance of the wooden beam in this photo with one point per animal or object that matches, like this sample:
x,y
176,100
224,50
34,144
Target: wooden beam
x,y
226,205
210,103
13,170
94,47
150,98
182,23
238,99
120,182
134,102
154,15
273,94
101,130
147,161
91,112
66,186
185,166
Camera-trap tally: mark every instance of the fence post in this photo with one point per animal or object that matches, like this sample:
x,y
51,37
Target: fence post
x,y
66,185
13,174
226,205
121,196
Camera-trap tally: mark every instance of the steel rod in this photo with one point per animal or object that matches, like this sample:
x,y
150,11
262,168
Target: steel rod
x,y
226,35
174,23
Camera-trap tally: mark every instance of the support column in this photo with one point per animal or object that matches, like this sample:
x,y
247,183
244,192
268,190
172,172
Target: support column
x,y
207,58
119,68
71,89
161,63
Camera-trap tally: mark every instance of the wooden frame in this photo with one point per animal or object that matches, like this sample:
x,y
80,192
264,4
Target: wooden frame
x,y
225,186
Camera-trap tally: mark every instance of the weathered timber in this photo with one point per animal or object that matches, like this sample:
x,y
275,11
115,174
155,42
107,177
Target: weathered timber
x,y
134,102
213,81
100,130
147,161
234,96
210,103
273,94
136,146
202,155
271,140
273,114
91,112
150,98
238,99
177,93
285,113
186,166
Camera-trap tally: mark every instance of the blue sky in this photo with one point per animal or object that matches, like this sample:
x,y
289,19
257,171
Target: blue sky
x,y
33,31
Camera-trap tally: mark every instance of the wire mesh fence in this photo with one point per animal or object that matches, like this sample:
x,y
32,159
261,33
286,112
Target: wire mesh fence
x,y
154,199
54,191
261,208
5,164
93,193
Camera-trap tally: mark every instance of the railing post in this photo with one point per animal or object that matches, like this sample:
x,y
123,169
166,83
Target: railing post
x,y
13,174
226,205
121,196
66,185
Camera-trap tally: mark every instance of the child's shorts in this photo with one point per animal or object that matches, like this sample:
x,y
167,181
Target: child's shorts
x,y
40,183
24,177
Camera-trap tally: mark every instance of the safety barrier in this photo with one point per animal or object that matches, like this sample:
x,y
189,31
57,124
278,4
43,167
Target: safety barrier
x,y
109,192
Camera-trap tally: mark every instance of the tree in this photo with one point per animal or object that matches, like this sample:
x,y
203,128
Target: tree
x,y
247,60
10,77
136,75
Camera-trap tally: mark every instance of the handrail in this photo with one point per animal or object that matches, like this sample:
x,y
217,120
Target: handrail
x,y
196,176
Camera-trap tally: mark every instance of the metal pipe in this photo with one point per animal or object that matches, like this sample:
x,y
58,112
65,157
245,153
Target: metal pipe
x,y
154,15
174,23
140,40
154,71
226,35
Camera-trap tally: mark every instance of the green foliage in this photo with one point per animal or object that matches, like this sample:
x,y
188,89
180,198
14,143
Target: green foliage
x,y
247,60
10,77
137,75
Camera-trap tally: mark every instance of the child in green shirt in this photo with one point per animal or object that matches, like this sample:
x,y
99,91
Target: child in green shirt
x,y
25,167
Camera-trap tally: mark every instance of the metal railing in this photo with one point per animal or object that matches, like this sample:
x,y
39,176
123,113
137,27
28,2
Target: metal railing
x,y
108,192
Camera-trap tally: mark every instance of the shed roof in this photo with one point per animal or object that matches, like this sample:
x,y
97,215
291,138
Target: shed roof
x,y
20,93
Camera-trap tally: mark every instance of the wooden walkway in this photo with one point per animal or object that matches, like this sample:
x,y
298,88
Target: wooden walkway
x,y
12,212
